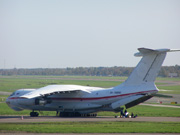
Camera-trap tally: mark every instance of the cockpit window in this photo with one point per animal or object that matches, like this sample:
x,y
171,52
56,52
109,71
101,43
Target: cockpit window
x,y
12,94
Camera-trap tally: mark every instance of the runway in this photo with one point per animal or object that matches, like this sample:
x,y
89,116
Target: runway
x,y
24,119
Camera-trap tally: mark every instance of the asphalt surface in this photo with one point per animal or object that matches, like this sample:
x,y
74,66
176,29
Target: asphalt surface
x,y
28,119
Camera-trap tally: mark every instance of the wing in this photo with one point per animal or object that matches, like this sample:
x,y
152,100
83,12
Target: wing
x,y
55,89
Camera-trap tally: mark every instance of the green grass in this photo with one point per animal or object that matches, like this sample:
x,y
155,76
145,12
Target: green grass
x,y
14,83
167,79
150,111
3,96
171,89
92,127
162,95
165,104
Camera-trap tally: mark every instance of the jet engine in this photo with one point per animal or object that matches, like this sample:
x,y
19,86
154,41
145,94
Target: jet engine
x,y
42,101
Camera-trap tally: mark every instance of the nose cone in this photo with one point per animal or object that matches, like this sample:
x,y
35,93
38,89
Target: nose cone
x,y
8,101
26,101
12,104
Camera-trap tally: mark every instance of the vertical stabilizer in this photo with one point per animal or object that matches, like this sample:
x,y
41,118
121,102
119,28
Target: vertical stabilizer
x,y
148,67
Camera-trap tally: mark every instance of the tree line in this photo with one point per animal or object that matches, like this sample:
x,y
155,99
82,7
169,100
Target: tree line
x,y
86,71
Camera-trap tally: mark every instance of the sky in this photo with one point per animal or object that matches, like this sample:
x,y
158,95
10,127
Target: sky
x,y
86,33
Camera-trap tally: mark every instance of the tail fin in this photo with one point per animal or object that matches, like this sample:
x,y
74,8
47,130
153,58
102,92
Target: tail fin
x,y
149,66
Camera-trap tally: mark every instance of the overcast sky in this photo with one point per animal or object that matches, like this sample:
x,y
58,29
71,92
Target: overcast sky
x,y
87,33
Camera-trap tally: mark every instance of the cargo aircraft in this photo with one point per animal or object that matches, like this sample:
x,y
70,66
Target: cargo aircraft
x,y
75,100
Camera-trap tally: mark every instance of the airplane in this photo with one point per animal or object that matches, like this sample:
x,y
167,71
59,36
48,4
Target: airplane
x,y
76,100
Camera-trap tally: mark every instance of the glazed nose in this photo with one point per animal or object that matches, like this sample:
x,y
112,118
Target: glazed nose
x,y
8,102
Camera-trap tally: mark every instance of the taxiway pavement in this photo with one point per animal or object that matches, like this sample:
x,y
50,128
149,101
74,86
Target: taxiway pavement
x,y
19,119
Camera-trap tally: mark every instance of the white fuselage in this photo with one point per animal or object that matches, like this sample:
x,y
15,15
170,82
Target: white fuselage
x,y
98,99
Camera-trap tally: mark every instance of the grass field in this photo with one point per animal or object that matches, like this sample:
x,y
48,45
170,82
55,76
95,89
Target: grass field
x,y
171,89
12,83
92,127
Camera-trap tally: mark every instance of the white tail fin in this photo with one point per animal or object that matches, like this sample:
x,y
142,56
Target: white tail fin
x,y
149,66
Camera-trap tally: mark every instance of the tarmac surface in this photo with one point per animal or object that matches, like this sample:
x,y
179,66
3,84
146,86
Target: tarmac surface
x,y
28,119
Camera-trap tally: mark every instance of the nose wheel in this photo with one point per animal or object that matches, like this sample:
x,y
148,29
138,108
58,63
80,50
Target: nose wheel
x,y
34,114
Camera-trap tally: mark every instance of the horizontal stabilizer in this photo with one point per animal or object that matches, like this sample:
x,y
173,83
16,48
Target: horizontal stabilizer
x,y
146,51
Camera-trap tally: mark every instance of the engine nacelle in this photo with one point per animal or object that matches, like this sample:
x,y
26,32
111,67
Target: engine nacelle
x,y
42,101
24,101
86,106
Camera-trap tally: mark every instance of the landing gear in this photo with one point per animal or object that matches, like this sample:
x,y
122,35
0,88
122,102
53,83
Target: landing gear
x,y
89,115
34,114
69,114
76,114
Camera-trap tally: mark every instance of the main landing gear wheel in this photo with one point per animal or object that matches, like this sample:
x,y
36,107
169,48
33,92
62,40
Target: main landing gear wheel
x,y
34,114
69,114
76,114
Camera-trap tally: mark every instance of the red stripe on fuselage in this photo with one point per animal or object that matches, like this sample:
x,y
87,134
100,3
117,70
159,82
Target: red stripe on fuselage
x,y
17,98
98,98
